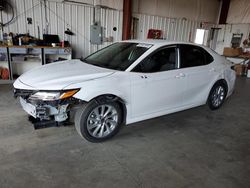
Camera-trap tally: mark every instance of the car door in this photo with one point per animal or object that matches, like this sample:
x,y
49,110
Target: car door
x,y
196,64
156,83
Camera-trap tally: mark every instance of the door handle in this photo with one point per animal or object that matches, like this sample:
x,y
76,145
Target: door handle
x,y
144,76
181,75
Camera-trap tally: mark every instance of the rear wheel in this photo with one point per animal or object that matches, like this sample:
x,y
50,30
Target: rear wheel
x,y
98,122
217,96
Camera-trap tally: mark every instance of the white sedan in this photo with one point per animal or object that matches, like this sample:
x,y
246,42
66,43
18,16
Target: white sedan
x,y
126,82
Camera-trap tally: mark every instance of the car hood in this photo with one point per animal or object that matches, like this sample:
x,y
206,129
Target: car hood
x,y
56,76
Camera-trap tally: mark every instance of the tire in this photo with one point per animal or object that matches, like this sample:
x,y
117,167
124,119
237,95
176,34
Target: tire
x,y
217,95
98,121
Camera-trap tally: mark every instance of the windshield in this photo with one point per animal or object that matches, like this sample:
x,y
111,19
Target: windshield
x,y
118,56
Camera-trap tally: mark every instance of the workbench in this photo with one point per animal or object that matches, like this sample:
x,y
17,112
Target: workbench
x,y
19,59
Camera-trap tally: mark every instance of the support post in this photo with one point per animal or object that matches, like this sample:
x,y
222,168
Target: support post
x,y
127,17
224,11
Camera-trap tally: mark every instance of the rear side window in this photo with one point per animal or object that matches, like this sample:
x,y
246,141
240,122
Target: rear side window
x,y
193,56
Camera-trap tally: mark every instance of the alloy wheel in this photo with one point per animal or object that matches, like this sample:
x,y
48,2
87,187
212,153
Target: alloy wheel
x,y
218,96
102,121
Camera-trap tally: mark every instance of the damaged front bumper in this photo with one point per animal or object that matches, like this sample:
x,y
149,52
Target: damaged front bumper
x,y
52,112
45,111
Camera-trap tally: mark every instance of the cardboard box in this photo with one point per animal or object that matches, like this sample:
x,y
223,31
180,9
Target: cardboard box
x,y
232,52
239,69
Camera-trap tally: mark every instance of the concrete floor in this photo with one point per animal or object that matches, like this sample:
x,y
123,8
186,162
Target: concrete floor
x,y
196,148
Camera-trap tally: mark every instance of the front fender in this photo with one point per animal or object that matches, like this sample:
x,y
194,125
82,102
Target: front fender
x,y
91,94
118,86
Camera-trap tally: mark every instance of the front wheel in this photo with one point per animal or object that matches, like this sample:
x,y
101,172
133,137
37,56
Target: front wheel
x,y
217,96
98,122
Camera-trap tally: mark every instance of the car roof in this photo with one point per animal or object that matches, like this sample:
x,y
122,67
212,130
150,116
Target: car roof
x,y
160,42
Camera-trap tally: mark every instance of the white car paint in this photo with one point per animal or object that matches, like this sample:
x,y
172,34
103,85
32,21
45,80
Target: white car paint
x,y
146,95
57,76
153,90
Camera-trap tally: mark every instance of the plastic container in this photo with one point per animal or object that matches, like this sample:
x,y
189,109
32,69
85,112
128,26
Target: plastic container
x,y
19,41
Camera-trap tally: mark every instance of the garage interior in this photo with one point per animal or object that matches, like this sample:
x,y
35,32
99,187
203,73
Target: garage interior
x,y
193,148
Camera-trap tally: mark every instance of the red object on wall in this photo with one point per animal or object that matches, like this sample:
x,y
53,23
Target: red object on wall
x,y
154,34
5,74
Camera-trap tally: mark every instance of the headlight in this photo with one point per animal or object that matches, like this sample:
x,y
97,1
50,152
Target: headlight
x,y
51,96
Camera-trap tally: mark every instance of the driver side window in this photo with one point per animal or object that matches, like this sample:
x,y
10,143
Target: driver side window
x,y
162,60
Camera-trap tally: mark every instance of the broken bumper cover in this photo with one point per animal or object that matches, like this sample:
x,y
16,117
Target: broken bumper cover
x,y
47,105
29,108
45,111
48,108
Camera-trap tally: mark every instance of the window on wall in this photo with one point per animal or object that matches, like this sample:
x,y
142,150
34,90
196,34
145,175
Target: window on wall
x,y
201,36
162,60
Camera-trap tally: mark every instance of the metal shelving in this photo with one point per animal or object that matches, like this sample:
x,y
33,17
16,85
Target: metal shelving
x,y
19,59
